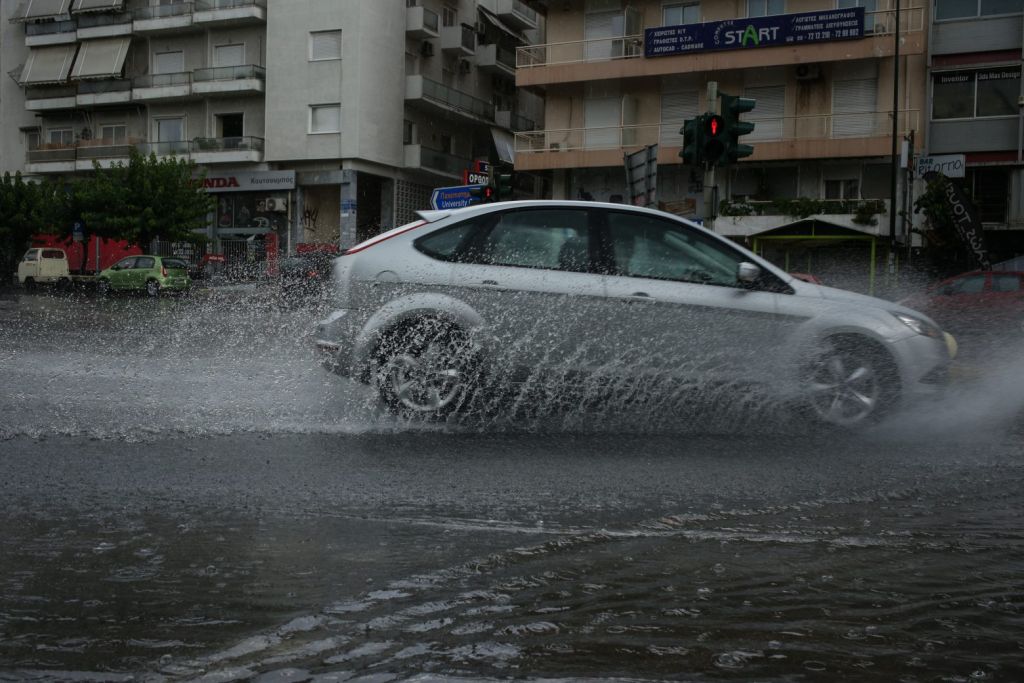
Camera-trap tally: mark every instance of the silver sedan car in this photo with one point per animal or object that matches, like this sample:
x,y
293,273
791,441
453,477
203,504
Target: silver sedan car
x,y
614,295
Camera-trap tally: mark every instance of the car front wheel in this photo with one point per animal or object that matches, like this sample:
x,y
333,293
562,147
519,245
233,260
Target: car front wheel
x,y
153,288
103,287
427,369
850,382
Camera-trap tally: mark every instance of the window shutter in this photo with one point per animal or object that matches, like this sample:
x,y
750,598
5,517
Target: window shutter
x,y
676,108
325,45
853,107
768,115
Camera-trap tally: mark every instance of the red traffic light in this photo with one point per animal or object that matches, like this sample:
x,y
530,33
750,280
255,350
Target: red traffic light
x,y
715,125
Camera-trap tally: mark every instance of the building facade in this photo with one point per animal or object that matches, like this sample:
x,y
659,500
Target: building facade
x,y
315,120
823,124
975,119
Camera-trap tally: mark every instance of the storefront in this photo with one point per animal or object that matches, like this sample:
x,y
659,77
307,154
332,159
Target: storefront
x,y
250,202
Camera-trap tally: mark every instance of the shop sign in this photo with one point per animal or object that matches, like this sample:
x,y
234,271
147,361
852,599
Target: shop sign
x,y
755,32
250,181
949,165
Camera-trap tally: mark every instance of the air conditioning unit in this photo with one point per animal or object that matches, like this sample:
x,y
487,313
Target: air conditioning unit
x,y
464,66
808,72
427,49
275,204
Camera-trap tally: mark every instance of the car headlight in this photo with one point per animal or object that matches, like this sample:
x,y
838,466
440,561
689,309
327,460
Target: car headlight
x,y
919,326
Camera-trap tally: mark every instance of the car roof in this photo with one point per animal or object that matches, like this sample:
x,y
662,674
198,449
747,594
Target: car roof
x,y
479,209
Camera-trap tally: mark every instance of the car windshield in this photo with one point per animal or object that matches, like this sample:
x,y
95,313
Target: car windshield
x,y
31,255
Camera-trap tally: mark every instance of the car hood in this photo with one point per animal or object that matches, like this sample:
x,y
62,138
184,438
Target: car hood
x,y
844,296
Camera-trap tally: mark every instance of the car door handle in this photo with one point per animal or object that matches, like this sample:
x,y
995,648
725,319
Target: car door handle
x,y
490,283
639,298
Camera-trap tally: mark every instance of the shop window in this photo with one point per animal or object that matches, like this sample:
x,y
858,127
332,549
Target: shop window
x,y
976,94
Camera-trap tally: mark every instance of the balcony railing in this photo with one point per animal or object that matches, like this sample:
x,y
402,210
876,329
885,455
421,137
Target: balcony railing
x,y
440,161
99,87
106,148
175,147
229,73
209,5
243,143
438,92
789,128
95,19
878,23
162,80
47,92
52,152
51,28
163,11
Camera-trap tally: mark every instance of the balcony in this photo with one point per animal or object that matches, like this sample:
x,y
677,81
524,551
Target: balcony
x,y
105,152
434,97
51,158
104,91
232,80
420,22
825,136
514,122
516,13
435,162
623,57
245,149
51,33
496,59
104,25
156,87
748,218
172,17
50,97
459,40
230,12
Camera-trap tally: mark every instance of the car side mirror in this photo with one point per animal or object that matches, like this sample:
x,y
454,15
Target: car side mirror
x,y
748,273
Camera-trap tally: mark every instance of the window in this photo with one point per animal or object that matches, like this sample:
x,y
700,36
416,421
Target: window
x,y
870,7
114,134
412,3
324,45
680,13
169,62
31,255
33,138
1005,282
972,284
60,136
990,190
408,133
768,116
144,262
602,119
229,55
676,108
447,144
325,118
645,246
848,188
449,16
170,130
54,254
976,94
960,9
853,107
764,8
552,239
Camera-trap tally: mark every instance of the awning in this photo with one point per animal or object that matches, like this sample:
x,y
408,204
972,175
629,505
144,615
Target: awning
x,y
504,143
97,5
49,64
493,19
41,9
103,58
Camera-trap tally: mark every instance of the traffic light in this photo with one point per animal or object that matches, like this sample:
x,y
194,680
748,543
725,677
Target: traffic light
x,y
714,138
502,186
480,194
692,132
732,107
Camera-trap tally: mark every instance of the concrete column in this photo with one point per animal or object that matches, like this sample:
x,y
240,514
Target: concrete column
x,y
347,209
298,211
387,204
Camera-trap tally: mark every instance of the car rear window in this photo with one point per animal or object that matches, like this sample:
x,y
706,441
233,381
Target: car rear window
x,y
175,263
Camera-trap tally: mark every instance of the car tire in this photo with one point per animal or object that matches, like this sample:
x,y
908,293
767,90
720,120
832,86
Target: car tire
x,y
103,287
152,288
30,284
849,382
427,369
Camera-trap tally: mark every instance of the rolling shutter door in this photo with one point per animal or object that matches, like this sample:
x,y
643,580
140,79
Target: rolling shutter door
x,y
768,115
676,108
853,108
602,118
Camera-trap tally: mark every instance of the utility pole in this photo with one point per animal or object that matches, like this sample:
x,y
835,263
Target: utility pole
x,y
895,142
710,194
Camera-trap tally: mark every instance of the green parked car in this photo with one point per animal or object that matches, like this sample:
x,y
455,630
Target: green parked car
x,y
151,274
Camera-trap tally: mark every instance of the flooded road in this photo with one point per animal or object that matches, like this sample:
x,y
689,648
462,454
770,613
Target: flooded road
x,y
186,495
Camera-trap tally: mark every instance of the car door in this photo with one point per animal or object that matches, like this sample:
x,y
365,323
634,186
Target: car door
x,y
140,272
1006,302
529,274
119,275
678,308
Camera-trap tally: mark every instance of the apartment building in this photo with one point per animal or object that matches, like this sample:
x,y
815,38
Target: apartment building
x,y
314,120
821,72
974,123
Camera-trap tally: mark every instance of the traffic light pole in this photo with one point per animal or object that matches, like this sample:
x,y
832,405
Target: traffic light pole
x,y
710,210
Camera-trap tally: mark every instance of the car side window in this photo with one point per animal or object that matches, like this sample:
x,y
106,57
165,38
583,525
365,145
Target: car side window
x,y
1006,283
554,239
124,263
972,284
446,244
53,254
144,262
648,246
31,255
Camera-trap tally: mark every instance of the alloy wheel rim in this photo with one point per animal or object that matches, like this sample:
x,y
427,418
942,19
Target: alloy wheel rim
x,y
427,382
844,390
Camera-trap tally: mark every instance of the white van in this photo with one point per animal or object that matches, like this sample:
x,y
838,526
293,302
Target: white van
x,y
44,266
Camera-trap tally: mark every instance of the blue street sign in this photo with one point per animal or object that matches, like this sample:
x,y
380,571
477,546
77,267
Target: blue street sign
x,y
452,197
78,231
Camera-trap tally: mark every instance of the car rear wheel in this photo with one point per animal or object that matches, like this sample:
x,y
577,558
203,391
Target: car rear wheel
x,y
103,287
152,288
850,382
427,370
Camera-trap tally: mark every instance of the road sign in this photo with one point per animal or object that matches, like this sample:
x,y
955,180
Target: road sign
x,y
452,197
78,231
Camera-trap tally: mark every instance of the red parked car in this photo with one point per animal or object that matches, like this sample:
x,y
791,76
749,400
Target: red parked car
x,y
982,301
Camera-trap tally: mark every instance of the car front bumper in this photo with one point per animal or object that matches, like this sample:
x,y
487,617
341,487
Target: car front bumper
x,y
333,339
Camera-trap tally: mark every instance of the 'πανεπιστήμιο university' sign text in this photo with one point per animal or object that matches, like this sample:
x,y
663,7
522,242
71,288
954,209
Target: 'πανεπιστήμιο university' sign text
x,y
755,32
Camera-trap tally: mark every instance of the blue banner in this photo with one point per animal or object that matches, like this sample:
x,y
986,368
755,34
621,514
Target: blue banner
x,y
755,32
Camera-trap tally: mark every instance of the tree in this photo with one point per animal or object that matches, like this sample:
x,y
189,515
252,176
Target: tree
x,y
145,199
28,208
